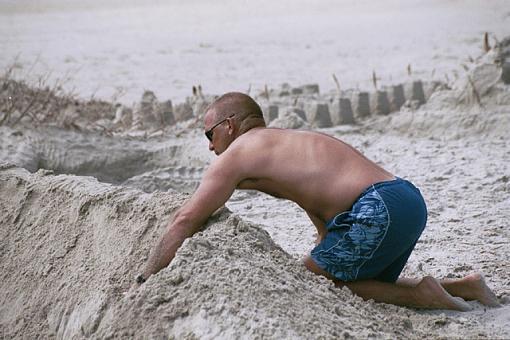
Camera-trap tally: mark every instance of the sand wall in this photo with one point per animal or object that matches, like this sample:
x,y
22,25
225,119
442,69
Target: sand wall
x,y
69,245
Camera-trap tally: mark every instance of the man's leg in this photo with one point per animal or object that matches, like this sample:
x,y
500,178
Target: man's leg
x,y
470,287
427,293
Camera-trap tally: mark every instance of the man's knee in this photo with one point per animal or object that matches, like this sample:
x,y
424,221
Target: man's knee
x,y
313,267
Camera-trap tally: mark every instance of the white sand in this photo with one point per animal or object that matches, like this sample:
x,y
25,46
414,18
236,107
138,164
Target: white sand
x,y
106,49
71,245
67,270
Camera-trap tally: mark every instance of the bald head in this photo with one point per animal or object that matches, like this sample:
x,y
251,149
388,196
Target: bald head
x,y
247,113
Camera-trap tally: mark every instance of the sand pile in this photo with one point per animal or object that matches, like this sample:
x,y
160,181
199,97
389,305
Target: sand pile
x,y
65,268
65,274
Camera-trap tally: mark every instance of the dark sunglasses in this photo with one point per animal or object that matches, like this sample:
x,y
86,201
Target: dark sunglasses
x,y
209,133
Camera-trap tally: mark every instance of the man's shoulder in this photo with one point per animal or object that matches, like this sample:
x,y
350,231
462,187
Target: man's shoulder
x,y
250,146
264,138
262,135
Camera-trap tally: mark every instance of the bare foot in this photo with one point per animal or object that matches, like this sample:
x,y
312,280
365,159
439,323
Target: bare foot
x,y
430,294
479,290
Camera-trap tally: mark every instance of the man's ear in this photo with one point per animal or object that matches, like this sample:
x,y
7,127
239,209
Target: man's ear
x,y
230,126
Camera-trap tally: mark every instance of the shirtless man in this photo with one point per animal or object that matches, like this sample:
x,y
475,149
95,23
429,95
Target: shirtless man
x,y
367,220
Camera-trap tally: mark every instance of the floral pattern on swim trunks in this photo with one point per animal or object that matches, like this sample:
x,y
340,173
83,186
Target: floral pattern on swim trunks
x,y
353,237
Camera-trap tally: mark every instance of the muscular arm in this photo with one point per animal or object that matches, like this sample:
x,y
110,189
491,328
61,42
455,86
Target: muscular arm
x,y
217,185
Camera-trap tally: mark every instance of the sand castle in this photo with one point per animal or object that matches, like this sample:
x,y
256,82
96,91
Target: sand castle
x,y
20,103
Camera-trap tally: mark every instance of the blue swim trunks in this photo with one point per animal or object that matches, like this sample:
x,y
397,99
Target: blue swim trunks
x,y
375,238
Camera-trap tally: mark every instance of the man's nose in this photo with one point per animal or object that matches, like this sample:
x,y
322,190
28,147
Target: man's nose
x,y
211,146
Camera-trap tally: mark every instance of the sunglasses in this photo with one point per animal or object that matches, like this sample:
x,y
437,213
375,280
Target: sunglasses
x,y
209,133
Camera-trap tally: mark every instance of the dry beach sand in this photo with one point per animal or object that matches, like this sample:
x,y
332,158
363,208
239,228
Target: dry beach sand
x,y
88,184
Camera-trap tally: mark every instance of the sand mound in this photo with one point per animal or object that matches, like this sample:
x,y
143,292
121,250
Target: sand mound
x,y
65,273
291,119
446,123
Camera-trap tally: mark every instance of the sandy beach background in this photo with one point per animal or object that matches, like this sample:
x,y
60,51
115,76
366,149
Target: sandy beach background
x,y
91,171
111,48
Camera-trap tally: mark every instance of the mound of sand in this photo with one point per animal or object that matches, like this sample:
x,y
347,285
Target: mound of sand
x,y
71,247
291,119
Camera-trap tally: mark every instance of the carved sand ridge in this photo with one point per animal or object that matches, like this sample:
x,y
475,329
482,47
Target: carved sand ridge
x,y
110,159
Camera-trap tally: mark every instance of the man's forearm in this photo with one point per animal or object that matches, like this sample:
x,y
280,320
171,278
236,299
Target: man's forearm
x,y
167,246
213,192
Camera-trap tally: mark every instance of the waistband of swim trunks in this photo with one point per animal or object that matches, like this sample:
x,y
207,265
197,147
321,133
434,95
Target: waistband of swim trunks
x,y
382,184
372,187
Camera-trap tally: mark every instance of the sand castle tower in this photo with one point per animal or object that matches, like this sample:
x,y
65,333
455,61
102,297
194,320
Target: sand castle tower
x,y
182,112
397,97
341,111
361,104
145,115
318,115
417,92
380,103
166,113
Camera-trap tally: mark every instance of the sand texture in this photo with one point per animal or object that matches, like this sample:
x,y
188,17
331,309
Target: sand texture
x,y
230,280
71,245
101,140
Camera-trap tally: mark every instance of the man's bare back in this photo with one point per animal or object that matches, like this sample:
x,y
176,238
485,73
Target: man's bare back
x,y
326,177
323,175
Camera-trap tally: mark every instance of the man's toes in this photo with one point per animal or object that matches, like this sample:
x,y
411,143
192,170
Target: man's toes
x,y
460,304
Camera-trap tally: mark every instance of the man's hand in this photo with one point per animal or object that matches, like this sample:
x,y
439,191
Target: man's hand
x,y
216,187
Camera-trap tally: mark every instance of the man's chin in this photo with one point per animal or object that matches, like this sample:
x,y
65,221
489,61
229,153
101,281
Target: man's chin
x,y
218,152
